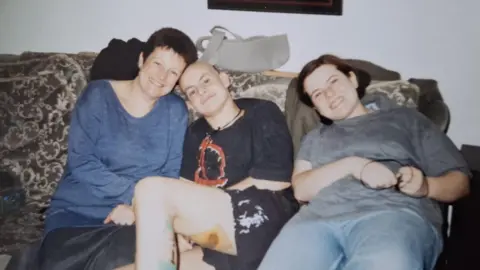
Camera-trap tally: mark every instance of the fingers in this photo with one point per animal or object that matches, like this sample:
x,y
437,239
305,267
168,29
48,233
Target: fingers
x,y
121,215
404,176
404,181
108,219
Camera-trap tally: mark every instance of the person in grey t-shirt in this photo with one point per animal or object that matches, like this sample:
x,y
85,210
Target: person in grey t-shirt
x,y
373,181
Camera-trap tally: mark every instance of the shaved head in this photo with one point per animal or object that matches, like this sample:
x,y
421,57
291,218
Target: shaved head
x,y
206,88
196,68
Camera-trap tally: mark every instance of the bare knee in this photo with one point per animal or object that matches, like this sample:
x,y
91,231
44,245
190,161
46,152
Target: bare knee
x,y
151,186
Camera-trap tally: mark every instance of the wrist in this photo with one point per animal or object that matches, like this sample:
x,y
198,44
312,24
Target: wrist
x,y
429,186
356,165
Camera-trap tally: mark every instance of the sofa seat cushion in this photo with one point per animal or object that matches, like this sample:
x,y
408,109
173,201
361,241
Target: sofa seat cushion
x,y
21,227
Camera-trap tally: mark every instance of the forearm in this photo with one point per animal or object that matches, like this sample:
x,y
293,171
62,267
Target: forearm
x,y
449,187
307,184
104,183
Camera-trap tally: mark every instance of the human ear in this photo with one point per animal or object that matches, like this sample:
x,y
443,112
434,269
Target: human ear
x,y
353,79
225,79
140,60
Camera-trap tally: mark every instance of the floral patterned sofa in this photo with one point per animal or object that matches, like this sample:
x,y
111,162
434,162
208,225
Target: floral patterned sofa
x,y
38,91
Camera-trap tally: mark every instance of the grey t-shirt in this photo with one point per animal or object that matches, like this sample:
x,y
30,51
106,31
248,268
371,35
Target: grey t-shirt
x,y
400,134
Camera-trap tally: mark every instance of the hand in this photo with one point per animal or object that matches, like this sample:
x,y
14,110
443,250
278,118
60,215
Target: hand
x,y
121,215
412,182
376,175
183,243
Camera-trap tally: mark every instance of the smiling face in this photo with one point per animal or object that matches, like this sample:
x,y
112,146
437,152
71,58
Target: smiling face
x,y
159,73
205,88
333,93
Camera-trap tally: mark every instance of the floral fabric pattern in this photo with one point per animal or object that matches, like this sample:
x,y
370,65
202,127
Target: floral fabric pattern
x,y
402,92
37,93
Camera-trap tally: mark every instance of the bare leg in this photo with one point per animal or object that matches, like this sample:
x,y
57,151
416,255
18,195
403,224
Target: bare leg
x,y
193,260
163,205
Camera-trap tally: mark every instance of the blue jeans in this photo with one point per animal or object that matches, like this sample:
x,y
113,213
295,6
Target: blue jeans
x,y
385,240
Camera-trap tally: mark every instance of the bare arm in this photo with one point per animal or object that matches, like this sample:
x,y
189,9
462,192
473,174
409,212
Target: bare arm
x,y
307,182
448,187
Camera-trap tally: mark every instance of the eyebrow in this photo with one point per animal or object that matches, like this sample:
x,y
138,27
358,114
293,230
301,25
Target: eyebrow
x,y
329,78
188,88
319,89
191,86
315,91
203,75
160,59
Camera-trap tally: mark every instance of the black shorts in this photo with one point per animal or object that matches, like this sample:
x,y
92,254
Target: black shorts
x,y
259,216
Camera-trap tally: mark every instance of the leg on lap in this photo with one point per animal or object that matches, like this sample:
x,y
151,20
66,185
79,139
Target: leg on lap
x,y
391,240
203,214
193,260
304,243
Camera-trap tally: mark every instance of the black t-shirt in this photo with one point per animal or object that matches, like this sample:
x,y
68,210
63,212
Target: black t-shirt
x,y
257,145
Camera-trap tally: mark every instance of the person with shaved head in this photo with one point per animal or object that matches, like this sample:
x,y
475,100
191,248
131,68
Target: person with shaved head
x,y
234,195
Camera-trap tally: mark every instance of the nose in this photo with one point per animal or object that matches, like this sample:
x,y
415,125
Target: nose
x,y
202,90
329,92
163,76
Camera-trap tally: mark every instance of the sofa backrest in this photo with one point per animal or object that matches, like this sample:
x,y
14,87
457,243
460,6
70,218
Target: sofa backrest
x,y
38,91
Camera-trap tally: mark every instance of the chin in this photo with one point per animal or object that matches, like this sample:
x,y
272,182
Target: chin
x,y
209,111
336,116
157,93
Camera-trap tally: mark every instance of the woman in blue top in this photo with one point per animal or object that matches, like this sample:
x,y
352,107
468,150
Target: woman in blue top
x,y
123,131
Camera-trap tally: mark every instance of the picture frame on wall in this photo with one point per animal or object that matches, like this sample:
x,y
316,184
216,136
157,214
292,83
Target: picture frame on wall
x,y
322,7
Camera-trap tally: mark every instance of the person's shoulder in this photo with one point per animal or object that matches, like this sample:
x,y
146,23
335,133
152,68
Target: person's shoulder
x,y
177,103
199,126
315,133
257,106
407,113
410,117
94,93
95,88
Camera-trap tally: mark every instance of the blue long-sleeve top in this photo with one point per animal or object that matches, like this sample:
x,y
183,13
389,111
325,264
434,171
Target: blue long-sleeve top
x,y
109,150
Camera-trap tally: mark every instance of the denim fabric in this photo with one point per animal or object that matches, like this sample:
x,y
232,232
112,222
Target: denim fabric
x,y
393,240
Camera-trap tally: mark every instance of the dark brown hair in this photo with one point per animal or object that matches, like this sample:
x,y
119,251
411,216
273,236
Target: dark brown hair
x,y
363,78
173,39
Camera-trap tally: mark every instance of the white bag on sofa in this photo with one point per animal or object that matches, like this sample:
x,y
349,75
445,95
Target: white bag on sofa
x,y
253,54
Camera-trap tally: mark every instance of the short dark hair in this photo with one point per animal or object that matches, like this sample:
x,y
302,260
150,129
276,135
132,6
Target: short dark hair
x,y
363,78
174,39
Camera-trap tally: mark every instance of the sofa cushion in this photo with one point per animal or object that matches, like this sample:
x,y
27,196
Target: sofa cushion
x,y
403,93
84,59
35,99
257,85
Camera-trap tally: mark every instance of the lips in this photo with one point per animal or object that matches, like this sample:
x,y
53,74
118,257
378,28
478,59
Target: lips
x,y
156,83
336,102
206,99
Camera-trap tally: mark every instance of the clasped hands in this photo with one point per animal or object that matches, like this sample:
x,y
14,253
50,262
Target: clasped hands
x,y
408,179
